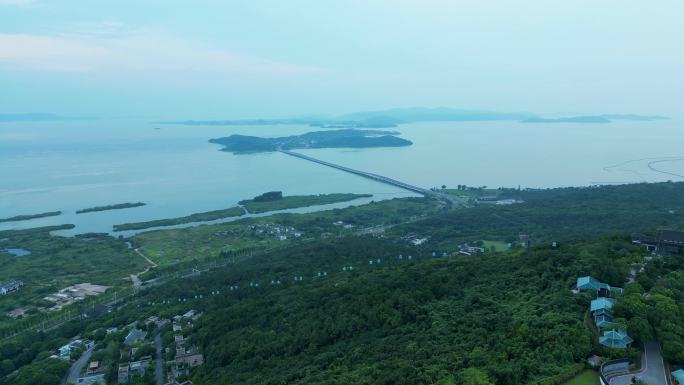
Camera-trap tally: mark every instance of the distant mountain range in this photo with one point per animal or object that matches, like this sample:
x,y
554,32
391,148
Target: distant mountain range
x,y
36,117
376,119
393,117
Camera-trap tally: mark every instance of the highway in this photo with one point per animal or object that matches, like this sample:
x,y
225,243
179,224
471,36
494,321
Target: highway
x,y
379,178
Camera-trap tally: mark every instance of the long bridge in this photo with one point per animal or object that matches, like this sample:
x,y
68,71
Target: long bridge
x,y
378,178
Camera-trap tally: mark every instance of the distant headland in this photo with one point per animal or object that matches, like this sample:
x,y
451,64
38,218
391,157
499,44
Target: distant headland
x,y
346,138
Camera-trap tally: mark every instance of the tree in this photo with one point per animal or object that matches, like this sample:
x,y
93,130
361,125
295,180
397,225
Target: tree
x,y
474,376
640,329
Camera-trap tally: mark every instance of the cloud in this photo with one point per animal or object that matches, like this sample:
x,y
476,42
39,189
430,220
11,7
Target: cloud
x,y
110,49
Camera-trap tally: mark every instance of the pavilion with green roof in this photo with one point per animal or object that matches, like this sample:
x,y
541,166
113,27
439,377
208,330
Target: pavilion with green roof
x,y
615,339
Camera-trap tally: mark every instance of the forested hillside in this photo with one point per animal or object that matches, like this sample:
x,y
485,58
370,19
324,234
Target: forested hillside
x,y
510,318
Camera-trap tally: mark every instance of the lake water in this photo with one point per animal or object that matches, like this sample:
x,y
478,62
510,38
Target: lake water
x,y
71,165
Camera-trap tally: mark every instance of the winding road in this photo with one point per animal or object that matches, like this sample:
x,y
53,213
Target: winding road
x,y
77,367
653,371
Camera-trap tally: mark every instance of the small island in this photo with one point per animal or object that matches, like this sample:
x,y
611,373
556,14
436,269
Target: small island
x,y
346,138
275,200
198,217
17,218
117,206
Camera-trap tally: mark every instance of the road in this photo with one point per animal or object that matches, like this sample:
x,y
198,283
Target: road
x,y
77,367
159,370
653,370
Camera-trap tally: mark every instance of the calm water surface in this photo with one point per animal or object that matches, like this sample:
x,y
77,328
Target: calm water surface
x,y
68,166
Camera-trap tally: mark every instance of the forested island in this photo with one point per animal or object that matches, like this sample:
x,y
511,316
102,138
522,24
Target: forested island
x,y
275,200
594,118
27,217
345,138
198,217
117,206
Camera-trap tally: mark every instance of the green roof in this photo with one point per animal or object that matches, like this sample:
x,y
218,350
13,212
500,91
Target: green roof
x,y
679,376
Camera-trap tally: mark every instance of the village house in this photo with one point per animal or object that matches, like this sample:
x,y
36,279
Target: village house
x,y
134,336
10,286
667,242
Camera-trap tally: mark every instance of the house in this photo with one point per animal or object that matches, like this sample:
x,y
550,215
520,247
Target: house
x,y
93,367
666,242
65,351
10,286
466,249
678,375
124,373
591,283
615,339
139,367
601,304
89,379
594,361
134,336
670,242
191,360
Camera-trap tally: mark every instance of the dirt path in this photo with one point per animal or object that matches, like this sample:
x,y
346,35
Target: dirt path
x,y
135,277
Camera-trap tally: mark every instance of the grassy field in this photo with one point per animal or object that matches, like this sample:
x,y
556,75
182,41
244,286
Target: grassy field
x,y
199,217
56,262
294,201
587,377
498,245
167,247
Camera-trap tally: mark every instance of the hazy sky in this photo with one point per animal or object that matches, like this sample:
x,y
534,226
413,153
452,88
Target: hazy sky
x,y
228,58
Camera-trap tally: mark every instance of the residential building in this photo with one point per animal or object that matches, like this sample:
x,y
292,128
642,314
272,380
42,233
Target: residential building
x,y
10,286
124,373
665,243
134,336
591,283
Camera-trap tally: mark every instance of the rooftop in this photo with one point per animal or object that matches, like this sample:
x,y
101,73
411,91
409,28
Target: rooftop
x,y
679,376
602,303
615,339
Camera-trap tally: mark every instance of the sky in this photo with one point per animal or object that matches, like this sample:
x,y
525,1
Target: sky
x,y
274,58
